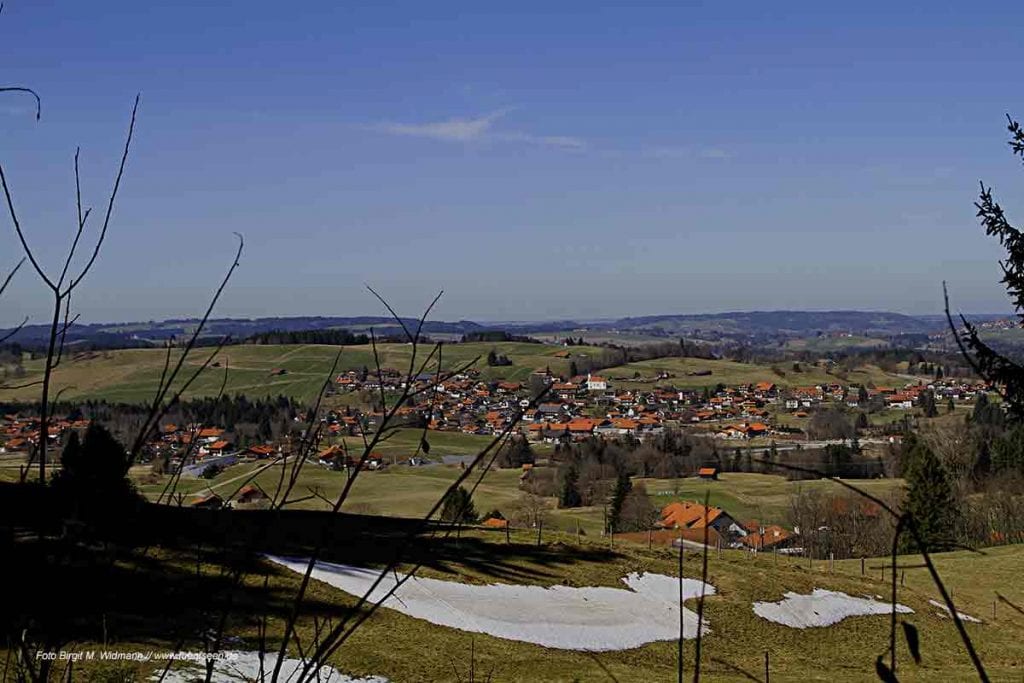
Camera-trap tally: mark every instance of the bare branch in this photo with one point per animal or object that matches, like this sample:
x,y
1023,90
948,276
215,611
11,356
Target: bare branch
x,y
110,204
30,91
21,235
10,275
82,218
10,333
157,408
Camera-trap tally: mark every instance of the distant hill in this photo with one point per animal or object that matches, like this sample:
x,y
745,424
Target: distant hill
x,y
799,323
736,326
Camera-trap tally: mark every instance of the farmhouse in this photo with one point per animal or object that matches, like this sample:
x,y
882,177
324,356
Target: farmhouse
x,y
708,473
688,515
771,537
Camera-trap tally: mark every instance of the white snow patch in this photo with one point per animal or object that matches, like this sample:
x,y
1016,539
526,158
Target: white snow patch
x,y
821,608
563,617
236,666
945,612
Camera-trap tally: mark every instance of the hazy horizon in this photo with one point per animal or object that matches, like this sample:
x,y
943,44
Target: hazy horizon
x,y
584,162
526,321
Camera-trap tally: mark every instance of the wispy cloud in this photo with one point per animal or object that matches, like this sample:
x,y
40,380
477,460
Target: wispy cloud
x,y
715,153
458,130
560,141
688,153
480,128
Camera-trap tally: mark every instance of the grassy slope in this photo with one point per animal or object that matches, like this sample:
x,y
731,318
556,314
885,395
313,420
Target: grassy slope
x,y
132,375
411,491
765,497
399,491
733,373
844,652
411,650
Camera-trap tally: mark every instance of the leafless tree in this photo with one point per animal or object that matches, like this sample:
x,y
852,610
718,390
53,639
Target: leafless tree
x,y
531,510
3,287
64,285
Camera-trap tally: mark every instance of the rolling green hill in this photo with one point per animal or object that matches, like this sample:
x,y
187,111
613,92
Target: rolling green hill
x,y
131,376
686,372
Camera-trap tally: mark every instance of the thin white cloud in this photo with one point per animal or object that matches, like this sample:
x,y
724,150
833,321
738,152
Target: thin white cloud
x,y
667,152
715,153
567,142
477,129
459,130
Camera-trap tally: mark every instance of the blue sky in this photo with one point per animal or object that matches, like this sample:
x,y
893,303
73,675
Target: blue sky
x,y
585,161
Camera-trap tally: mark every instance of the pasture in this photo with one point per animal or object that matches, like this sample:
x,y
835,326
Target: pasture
x,y
693,373
131,375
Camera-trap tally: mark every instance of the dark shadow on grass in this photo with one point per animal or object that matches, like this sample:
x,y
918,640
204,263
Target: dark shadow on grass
x,y
134,577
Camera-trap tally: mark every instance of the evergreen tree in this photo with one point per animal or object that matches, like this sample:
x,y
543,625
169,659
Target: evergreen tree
x,y
982,461
569,494
931,500
93,475
928,403
1008,451
458,507
623,484
987,413
516,453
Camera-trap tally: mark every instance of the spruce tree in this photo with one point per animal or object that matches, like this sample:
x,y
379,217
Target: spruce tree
x,y
623,484
458,507
931,500
569,494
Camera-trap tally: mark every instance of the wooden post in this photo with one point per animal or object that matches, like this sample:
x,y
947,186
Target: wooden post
x,y
766,666
862,566
540,530
680,642
831,562
650,539
508,524
718,546
993,610
577,531
903,576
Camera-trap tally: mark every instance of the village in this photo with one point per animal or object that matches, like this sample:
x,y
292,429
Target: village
x,y
569,409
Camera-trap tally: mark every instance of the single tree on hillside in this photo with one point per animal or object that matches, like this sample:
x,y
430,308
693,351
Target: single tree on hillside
x,y
515,453
623,484
569,492
458,507
638,513
93,473
931,498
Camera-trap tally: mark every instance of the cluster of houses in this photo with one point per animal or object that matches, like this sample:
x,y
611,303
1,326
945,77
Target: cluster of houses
x,y
572,409
691,521
20,435
580,407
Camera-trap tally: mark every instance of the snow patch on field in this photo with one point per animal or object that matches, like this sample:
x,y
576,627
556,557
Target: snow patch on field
x,y
236,666
821,608
562,617
945,612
